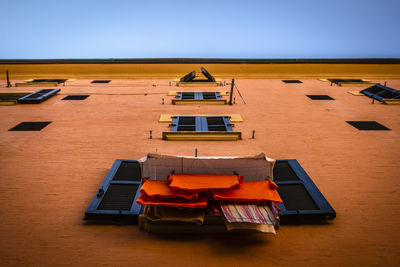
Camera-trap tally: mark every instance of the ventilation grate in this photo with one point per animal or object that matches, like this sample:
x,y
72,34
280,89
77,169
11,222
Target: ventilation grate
x,y
30,126
368,126
75,97
320,97
119,197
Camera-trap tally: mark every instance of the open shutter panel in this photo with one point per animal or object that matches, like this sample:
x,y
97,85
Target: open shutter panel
x,y
38,96
380,92
209,77
302,200
115,201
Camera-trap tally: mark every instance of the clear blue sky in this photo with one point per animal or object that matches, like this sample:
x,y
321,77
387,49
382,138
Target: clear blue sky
x,y
200,29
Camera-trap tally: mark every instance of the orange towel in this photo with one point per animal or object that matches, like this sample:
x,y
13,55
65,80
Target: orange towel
x,y
154,188
250,191
200,202
202,182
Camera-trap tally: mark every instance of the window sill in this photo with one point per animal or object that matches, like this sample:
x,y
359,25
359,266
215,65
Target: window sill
x,y
202,136
198,102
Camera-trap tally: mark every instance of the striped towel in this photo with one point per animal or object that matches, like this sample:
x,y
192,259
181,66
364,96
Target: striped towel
x,y
246,212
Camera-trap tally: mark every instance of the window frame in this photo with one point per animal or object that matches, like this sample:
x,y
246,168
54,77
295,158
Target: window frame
x,y
201,123
198,96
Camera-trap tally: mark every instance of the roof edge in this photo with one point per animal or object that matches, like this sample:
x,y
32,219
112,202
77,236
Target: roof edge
x,y
204,61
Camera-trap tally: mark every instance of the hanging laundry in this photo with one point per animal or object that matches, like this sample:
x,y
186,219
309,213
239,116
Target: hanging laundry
x,y
258,227
154,188
202,182
155,213
249,213
200,202
258,191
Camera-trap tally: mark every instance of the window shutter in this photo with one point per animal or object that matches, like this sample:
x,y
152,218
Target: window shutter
x,y
115,201
380,92
38,96
302,200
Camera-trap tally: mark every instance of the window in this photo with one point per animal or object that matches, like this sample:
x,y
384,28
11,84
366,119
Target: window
x,y
58,81
115,201
380,92
38,96
201,124
349,82
302,200
368,126
201,128
75,97
198,95
101,81
320,97
292,81
30,126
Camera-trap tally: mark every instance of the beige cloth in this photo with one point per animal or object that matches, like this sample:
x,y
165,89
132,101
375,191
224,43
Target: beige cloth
x,y
259,227
156,213
253,168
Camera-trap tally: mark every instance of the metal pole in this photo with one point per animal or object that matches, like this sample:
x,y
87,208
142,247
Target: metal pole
x,y
8,80
230,96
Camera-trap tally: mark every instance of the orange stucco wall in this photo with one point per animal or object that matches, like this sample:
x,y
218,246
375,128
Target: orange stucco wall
x,y
48,178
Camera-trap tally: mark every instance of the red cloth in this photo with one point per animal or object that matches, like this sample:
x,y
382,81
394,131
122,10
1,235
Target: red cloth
x,y
203,182
200,202
154,188
250,191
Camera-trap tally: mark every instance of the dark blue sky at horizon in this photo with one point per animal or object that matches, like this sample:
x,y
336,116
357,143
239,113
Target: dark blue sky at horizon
x,y
202,29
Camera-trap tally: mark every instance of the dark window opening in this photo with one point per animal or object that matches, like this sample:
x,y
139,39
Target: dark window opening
x,y
187,120
292,81
209,95
30,126
49,81
186,128
368,126
320,97
217,128
215,120
75,97
101,81
187,95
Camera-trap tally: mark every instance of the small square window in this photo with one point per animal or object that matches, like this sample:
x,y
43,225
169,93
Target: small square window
x,y
292,81
368,126
101,81
75,97
320,97
30,126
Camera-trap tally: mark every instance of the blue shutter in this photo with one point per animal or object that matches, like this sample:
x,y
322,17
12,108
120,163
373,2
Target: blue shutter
x,y
380,92
302,200
38,96
115,201
217,123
